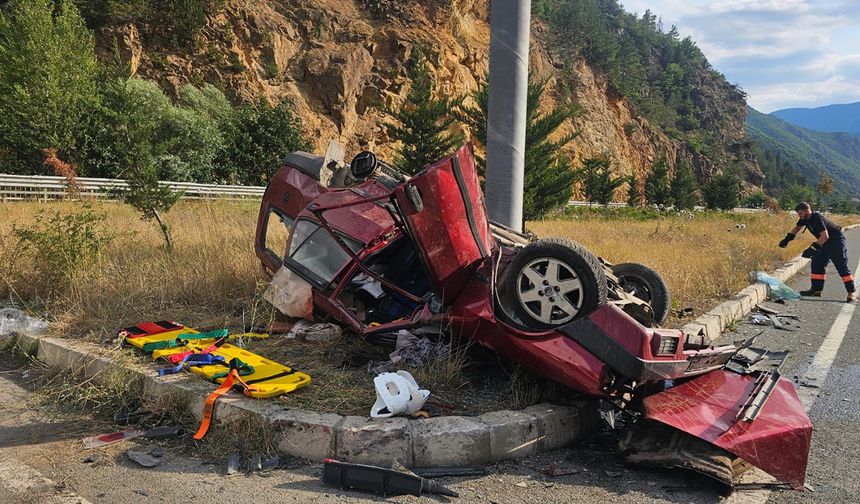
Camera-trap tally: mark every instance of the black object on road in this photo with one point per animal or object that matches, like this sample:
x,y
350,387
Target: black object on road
x,y
163,432
380,480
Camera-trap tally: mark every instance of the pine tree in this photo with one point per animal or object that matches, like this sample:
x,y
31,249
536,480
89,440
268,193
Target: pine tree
x,y
722,192
421,124
549,176
598,184
634,195
657,187
683,187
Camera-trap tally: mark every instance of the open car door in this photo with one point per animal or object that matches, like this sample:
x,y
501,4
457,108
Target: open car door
x,y
444,209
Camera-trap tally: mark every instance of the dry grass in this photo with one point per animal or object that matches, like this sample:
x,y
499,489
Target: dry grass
x,y
211,278
704,258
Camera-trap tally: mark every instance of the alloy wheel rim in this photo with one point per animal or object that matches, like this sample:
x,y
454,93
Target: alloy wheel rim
x,y
549,290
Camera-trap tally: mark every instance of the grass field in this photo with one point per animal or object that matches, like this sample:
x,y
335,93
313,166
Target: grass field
x,y
213,277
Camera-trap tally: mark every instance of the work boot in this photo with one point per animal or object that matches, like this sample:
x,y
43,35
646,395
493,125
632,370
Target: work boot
x,y
852,296
810,293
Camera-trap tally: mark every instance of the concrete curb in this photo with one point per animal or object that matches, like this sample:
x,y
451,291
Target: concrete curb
x,y
712,323
439,441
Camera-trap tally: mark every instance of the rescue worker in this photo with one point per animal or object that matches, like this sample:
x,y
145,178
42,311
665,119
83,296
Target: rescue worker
x,y
828,246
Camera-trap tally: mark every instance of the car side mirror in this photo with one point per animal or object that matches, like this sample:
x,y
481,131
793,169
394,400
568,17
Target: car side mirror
x,y
363,165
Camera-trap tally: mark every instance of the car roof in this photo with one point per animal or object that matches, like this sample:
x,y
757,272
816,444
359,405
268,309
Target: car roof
x,y
309,164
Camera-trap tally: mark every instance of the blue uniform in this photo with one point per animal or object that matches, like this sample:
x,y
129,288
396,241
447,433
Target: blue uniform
x,y
833,250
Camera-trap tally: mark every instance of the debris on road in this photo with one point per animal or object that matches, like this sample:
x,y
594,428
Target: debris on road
x,y
768,317
143,459
92,458
163,432
271,464
554,471
444,472
233,464
111,438
777,289
379,480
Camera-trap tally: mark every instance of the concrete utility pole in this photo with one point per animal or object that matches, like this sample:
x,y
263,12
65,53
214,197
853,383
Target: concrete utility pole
x,y
506,122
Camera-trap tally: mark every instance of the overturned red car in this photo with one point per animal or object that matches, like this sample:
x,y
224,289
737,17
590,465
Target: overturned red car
x,y
384,252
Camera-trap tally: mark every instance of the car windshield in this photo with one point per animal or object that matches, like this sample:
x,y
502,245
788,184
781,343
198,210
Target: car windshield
x,y
316,251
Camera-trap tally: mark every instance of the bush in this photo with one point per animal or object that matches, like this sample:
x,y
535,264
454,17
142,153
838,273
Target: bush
x,y
61,245
598,184
754,200
657,184
256,139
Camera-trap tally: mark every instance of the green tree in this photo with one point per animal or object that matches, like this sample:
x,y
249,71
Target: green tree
x,y
47,82
657,184
794,195
683,187
421,125
150,198
598,183
721,192
634,194
549,176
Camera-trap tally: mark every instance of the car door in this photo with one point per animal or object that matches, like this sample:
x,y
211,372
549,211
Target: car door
x,y
444,210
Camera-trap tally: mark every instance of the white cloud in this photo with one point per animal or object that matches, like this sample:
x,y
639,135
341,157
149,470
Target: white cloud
x,y
784,53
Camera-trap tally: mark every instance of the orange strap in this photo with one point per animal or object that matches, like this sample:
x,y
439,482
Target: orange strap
x,y
818,276
848,278
209,407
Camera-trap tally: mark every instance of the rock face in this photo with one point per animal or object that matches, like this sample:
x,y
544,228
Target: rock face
x,y
342,62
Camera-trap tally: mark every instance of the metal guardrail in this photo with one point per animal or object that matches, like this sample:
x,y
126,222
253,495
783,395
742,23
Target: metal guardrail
x,y
42,187
622,205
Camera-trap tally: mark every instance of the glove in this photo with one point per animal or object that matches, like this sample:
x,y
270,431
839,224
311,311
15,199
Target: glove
x,y
815,247
784,242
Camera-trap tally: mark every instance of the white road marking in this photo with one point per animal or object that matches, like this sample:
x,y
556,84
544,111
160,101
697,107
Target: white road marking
x,y
816,374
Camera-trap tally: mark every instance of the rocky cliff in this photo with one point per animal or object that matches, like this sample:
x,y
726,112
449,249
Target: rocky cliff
x,y
341,62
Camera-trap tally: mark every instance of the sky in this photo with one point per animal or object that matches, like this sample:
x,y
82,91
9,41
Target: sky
x,y
783,53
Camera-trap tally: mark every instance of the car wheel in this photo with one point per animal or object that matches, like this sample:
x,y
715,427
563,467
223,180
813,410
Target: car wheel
x,y
552,282
647,285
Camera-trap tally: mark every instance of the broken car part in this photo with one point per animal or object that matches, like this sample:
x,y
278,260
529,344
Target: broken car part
x,y
397,394
379,480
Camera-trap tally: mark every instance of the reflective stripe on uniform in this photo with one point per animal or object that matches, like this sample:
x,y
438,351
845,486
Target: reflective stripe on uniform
x,y
818,276
848,278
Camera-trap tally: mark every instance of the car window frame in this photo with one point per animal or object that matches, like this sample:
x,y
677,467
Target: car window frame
x,y
308,274
289,228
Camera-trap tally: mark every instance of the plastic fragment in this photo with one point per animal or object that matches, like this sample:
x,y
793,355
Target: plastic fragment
x,y
111,438
163,432
13,321
778,290
233,464
143,459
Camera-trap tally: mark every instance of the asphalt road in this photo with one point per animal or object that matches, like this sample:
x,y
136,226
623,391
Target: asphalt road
x,y
41,459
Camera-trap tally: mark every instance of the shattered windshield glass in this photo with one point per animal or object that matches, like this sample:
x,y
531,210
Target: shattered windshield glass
x,y
314,249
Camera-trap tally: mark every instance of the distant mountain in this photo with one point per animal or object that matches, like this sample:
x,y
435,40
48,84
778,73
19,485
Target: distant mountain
x,y
810,152
831,118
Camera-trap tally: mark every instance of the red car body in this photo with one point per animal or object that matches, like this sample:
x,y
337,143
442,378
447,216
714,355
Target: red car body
x,y
439,217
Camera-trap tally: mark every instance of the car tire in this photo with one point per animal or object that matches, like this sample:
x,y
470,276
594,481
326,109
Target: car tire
x,y
647,285
552,282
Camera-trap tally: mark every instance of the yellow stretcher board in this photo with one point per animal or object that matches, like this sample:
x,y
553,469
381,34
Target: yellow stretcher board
x,y
205,342
165,336
269,378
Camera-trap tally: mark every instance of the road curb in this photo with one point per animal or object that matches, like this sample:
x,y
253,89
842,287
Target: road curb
x,y
711,324
438,441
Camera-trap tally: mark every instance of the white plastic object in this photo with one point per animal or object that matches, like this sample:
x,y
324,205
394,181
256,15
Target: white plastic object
x,y
397,394
14,321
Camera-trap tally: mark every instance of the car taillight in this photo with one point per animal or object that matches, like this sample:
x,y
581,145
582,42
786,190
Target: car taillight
x,y
665,345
